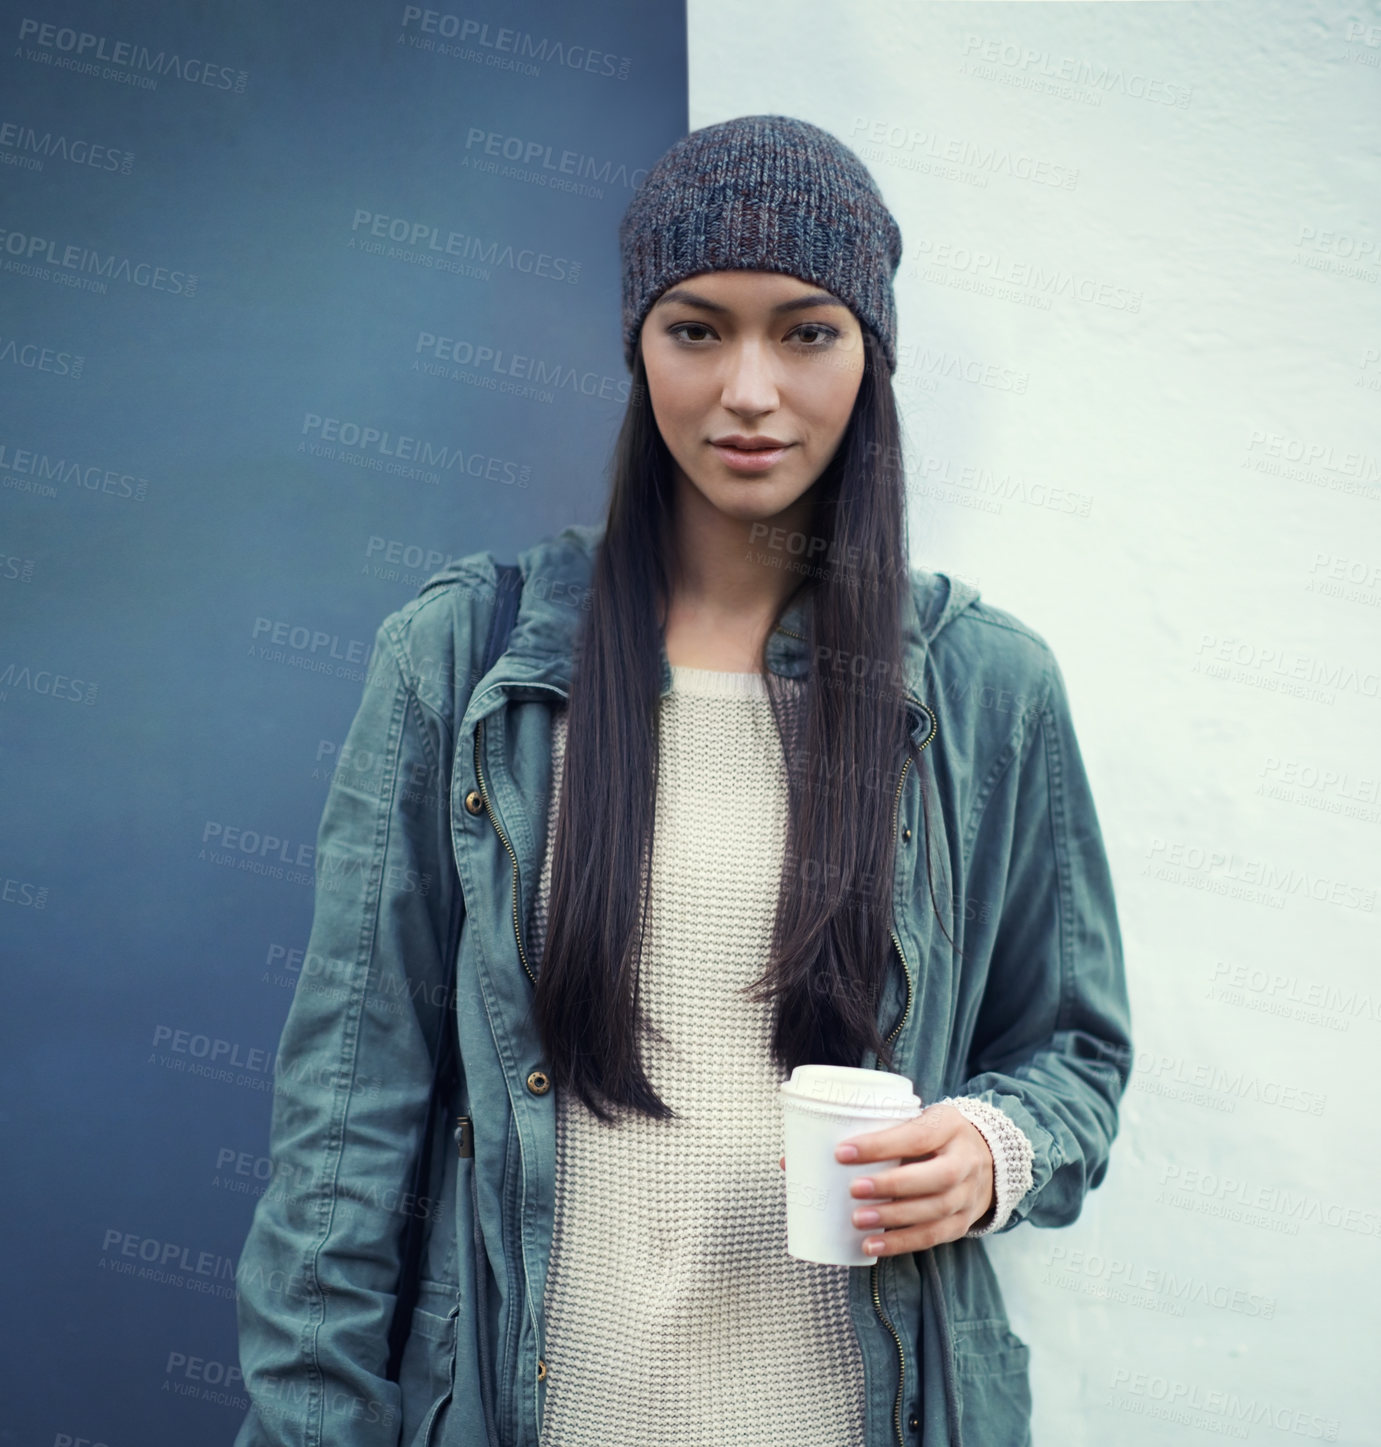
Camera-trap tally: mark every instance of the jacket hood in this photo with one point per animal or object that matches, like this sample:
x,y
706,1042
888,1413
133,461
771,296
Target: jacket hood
x,y
557,575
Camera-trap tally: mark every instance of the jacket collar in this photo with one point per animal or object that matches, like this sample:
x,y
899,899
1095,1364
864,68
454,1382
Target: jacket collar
x,y
557,573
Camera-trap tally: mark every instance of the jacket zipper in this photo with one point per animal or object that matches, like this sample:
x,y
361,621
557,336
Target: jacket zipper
x,y
877,1294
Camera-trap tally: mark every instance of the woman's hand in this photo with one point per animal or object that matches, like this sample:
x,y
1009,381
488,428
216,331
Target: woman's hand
x,y
942,1187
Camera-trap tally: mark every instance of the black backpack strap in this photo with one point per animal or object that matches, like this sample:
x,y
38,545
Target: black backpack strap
x,y
508,591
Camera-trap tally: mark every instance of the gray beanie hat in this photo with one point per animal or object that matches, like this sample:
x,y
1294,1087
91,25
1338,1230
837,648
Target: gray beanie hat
x,y
762,193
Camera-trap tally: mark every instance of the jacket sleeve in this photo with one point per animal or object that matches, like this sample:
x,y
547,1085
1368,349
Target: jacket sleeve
x,y
319,1270
1051,1047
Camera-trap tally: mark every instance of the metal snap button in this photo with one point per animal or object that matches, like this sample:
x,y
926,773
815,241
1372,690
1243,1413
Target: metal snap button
x,y
541,1370
474,802
914,1423
906,834
538,1083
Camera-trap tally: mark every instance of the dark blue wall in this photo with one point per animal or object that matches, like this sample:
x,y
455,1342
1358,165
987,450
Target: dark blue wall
x,y
295,303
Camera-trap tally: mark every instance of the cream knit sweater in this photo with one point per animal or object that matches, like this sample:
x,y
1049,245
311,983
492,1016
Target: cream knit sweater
x,y
673,1312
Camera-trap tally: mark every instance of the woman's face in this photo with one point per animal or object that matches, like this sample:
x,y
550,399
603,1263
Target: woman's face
x,y
750,355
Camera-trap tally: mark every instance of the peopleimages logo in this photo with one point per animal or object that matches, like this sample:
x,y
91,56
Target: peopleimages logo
x,y
1181,860
502,47
993,273
345,440
29,255
26,470
983,52
29,148
37,358
954,366
543,156
45,682
512,367
1213,1409
424,244
80,50
311,650
910,147
1248,661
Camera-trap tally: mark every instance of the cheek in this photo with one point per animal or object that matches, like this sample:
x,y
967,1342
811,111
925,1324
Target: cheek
x,y
675,404
670,411
661,392
828,423
831,404
666,388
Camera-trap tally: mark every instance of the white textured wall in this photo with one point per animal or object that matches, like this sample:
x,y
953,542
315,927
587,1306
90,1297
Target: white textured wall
x,y
1141,365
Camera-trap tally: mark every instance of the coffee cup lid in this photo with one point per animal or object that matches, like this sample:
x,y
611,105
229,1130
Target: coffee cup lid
x,y
850,1088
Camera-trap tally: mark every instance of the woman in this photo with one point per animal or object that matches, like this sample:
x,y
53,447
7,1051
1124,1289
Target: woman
x,y
743,791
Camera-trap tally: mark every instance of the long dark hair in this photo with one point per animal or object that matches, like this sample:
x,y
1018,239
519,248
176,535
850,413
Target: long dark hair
x,y
844,735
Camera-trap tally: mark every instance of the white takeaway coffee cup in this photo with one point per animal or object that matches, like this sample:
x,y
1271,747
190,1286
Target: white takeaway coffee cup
x,y
821,1106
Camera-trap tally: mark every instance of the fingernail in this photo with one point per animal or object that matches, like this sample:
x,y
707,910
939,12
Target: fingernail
x,y
846,1153
866,1218
872,1247
863,1187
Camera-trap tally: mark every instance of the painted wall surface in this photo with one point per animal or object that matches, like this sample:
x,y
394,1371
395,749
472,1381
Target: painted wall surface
x,y
1140,333
296,302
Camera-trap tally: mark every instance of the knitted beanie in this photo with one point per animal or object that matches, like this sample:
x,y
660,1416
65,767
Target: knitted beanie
x,y
762,193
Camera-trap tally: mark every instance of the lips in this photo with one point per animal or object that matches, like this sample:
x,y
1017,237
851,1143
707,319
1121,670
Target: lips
x,y
740,443
750,454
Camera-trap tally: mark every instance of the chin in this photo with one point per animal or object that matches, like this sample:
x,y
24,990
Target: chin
x,y
743,497
756,507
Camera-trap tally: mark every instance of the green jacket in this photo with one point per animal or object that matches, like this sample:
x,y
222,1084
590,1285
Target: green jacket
x,y
437,814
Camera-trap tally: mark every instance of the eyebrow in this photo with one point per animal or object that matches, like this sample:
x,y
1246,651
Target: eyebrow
x,y
799,303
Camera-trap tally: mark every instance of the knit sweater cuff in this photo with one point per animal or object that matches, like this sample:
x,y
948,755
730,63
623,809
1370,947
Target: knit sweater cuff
x,y
1012,1156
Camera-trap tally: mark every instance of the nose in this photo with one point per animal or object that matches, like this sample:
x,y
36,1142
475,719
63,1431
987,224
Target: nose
x,y
750,383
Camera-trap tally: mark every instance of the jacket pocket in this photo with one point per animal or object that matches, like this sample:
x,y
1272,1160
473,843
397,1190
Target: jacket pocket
x,y
993,1365
427,1370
